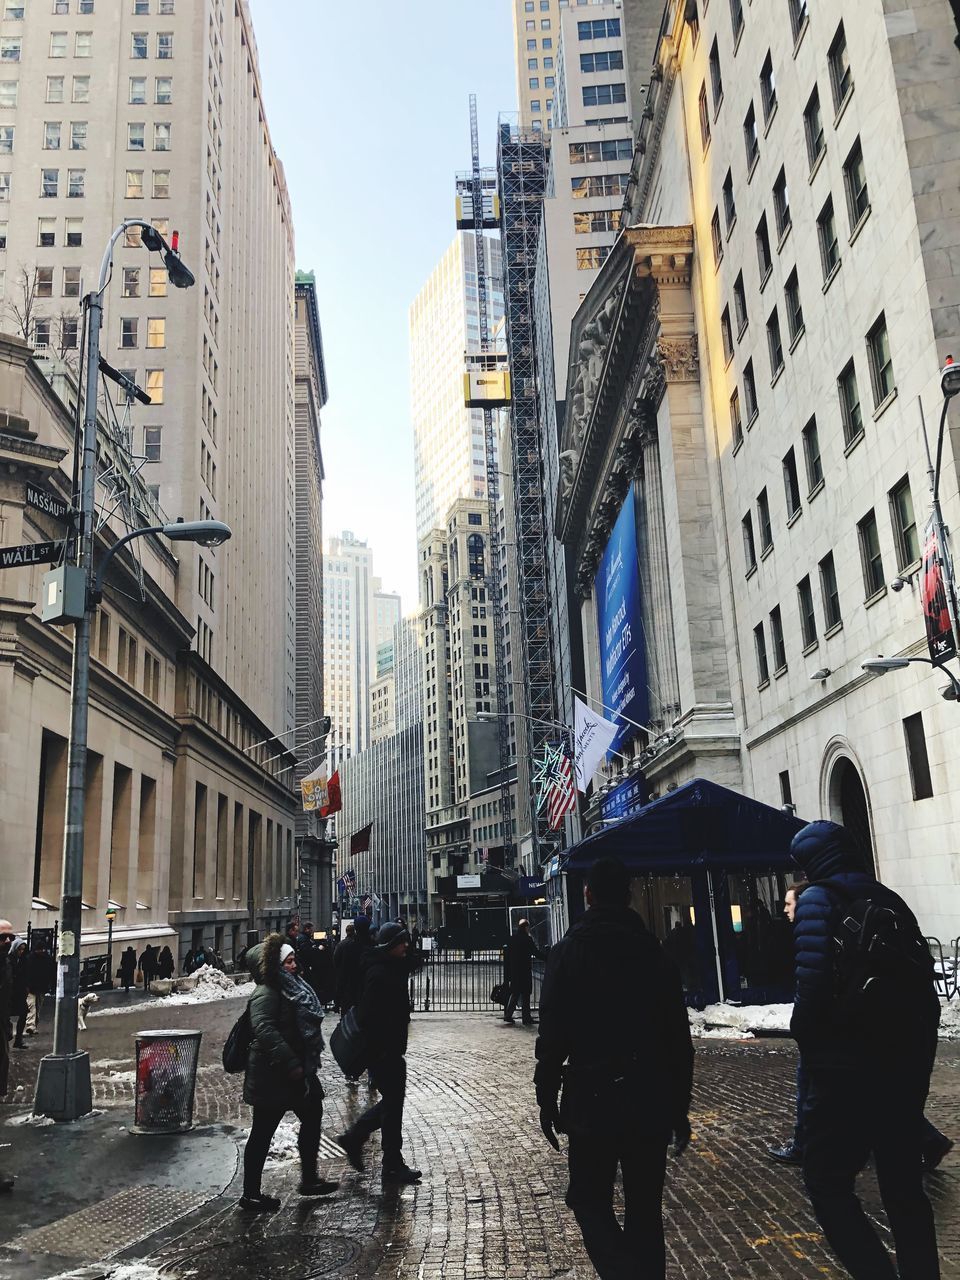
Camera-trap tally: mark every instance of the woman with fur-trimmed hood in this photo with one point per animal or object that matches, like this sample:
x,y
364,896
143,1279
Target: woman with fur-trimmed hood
x,y
282,1064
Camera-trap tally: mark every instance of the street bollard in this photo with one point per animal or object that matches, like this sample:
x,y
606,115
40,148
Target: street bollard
x,y
166,1080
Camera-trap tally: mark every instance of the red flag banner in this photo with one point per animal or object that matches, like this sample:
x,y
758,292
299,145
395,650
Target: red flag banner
x,y
933,590
334,801
360,842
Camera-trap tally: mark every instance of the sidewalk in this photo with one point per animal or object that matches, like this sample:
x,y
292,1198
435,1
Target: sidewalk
x,y
491,1203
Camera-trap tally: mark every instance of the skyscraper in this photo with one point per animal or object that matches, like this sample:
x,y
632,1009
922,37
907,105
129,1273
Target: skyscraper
x,y
535,29
152,109
348,632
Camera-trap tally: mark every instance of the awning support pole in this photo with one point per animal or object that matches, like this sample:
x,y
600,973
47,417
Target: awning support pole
x,y
716,937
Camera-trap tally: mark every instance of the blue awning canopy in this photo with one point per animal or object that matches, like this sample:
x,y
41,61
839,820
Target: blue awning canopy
x,y
700,824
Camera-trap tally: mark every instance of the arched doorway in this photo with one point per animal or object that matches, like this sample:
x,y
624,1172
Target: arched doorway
x,y
848,806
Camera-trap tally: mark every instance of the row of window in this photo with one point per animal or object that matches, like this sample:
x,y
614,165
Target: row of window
x,y
13,10
594,152
53,136
599,184
56,90
130,332
603,95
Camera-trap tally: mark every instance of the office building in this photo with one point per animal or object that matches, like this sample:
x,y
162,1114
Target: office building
x,y
349,643
535,37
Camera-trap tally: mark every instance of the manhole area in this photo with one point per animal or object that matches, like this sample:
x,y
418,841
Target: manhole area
x,y
113,1224
265,1257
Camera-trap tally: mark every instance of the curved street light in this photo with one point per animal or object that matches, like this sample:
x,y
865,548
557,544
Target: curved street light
x,y
880,666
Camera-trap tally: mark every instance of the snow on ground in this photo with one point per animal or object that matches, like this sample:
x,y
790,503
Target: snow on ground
x,y
720,1020
950,1020
284,1144
211,985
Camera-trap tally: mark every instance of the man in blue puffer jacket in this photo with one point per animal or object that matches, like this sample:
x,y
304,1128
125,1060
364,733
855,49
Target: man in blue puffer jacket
x,y
868,1083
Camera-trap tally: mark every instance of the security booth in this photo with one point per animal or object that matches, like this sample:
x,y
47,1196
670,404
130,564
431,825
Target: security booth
x,y
711,868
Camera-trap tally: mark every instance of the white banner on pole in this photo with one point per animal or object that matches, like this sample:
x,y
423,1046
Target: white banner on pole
x,y
591,741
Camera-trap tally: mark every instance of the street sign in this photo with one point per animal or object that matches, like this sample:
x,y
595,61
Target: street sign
x,y
30,553
43,500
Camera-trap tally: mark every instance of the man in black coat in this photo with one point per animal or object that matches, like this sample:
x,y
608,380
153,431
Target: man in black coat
x,y
347,965
518,972
868,1073
383,1015
612,1009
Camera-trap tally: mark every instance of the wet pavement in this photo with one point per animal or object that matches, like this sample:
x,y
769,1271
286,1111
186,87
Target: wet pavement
x,y
491,1203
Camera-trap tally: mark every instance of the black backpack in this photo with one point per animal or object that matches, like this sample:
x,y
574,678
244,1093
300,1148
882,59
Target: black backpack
x,y
237,1044
880,956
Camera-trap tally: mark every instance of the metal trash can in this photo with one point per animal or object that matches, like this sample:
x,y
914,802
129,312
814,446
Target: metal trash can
x,y
166,1080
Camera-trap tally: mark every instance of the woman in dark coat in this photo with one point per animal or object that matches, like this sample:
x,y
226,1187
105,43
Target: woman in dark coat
x,y
282,1063
20,970
165,965
128,968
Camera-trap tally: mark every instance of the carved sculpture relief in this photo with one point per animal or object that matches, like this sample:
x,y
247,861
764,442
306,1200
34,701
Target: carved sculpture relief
x,y
680,358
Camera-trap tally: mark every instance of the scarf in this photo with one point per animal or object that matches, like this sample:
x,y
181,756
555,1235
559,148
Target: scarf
x,y
309,1015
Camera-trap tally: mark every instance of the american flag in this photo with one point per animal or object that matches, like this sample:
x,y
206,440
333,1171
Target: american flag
x,y
562,795
366,902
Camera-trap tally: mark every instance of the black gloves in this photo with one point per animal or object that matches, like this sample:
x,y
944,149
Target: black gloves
x,y
681,1136
550,1121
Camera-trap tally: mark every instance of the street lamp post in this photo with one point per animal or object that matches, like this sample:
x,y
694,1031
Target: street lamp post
x,y
880,666
108,977
63,1080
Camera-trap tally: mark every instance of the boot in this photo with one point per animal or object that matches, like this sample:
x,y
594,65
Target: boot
x,y
933,1152
398,1171
316,1186
790,1154
260,1203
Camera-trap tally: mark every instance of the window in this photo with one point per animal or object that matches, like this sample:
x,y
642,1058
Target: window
x,y
47,233
786,794
751,138
83,44
81,88
704,112
588,152
593,258
850,404
156,332
740,303
811,455
763,518
165,44
43,282
9,93
534,104
600,29
58,44
799,16
3,235
736,422
69,334
791,482
791,293
128,332
6,139
135,137
750,392
71,282
158,282
131,282
74,236
717,236
904,524
813,128
768,88
85,6
41,333
611,61
749,545
829,592
13,12
726,333
764,257
138,90
10,47
919,763
881,364
855,184
776,640
827,236
61,7
155,385
599,184
161,184
534,82
49,183
774,343
55,88
595,220
533,64
870,558
164,90
841,76
161,137
729,201
166,8
808,618
760,649
736,17
135,189
151,443
131,237
602,95
781,203
716,79
138,45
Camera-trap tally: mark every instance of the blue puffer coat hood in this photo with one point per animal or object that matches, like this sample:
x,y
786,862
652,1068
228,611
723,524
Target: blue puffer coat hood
x,y
823,849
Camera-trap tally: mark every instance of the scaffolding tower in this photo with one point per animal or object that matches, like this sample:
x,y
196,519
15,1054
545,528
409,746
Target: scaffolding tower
x,y
522,157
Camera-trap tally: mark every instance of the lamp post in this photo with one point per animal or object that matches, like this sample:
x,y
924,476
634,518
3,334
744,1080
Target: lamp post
x,y
108,979
63,1080
880,666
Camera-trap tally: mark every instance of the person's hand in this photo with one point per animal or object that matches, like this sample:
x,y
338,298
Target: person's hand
x,y
550,1122
681,1136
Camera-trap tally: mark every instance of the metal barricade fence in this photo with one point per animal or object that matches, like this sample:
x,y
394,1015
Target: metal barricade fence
x,y
945,967
461,981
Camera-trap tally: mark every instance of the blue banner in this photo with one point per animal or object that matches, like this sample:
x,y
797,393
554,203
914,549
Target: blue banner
x,y
623,662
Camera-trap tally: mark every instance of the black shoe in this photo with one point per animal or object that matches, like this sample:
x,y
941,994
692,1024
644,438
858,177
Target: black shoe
x,y
934,1152
317,1187
785,1155
401,1173
510,1021
260,1204
352,1149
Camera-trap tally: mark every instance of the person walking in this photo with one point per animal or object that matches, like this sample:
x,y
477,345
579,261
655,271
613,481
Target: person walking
x,y
347,960
383,1016
867,1033
518,972
165,963
282,1064
612,1010
20,984
148,966
7,939
128,968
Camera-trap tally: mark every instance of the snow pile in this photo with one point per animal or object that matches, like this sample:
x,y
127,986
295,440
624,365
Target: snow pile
x,y
950,1020
749,1017
700,1030
284,1143
211,985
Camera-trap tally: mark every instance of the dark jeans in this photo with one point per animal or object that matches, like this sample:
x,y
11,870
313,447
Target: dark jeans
x,y
524,998
265,1120
635,1251
850,1114
389,1078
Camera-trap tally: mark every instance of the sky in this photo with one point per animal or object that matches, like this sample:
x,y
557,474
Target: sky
x,y
368,109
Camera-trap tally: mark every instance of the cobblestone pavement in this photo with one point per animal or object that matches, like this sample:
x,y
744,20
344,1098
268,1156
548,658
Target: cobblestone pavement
x,y
491,1203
